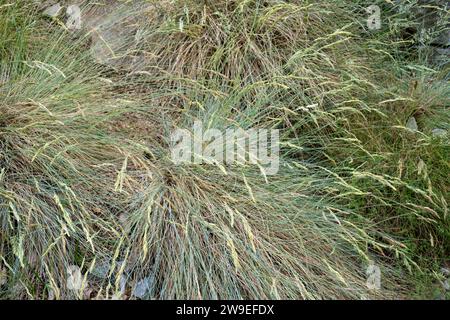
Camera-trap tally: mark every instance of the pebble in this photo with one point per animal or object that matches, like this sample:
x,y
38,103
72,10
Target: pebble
x,y
439,132
3,276
142,287
445,271
75,278
53,11
101,270
412,124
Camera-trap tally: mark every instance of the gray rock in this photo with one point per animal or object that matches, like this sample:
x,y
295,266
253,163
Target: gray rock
x,y
4,75
445,271
440,56
412,124
433,31
52,11
123,284
3,276
74,22
102,270
115,33
74,278
439,133
446,285
143,287
443,39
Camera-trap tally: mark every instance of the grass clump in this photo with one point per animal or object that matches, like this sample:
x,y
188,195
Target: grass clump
x,y
88,189
53,159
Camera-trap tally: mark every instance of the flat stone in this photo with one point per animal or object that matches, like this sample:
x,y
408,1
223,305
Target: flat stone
x,y
439,133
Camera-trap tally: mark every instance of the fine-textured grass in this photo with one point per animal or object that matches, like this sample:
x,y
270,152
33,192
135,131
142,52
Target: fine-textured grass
x,y
87,180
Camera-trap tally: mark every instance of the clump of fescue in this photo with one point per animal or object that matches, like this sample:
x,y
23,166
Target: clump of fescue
x,y
198,233
57,162
314,72
87,183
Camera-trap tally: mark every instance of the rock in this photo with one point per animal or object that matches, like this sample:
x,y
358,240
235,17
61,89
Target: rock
x,y
432,29
439,133
142,288
373,273
123,286
51,294
110,45
4,74
412,124
102,270
74,278
3,276
446,285
120,295
445,271
53,11
123,218
443,39
116,297
115,34
74,21
440,56
113,27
